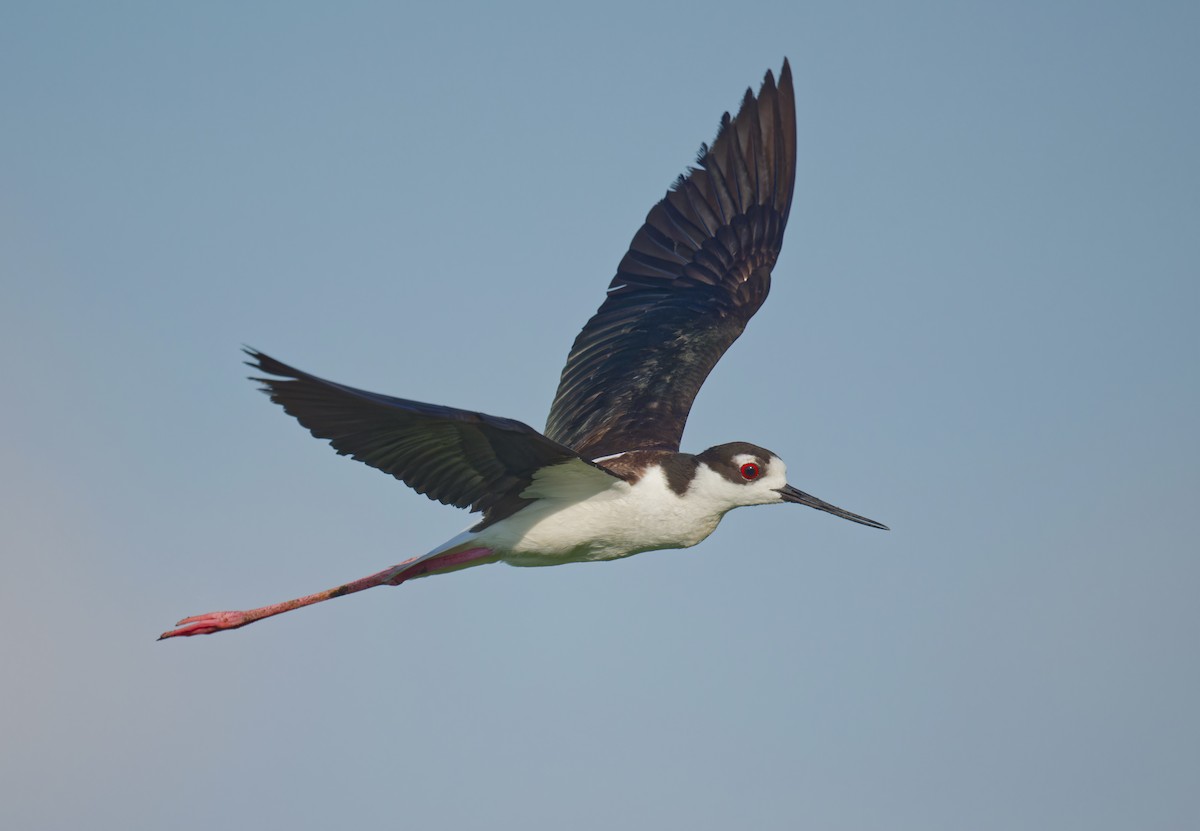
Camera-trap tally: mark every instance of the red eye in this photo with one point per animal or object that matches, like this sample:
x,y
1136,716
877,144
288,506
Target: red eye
x,y
750,471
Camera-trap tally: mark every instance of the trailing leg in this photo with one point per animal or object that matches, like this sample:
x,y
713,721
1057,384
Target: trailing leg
x,y
211,622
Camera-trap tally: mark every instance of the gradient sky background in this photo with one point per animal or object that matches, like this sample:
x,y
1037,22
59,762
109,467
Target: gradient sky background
x,y
983,332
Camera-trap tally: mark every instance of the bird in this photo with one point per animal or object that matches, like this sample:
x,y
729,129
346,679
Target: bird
x,y
606,478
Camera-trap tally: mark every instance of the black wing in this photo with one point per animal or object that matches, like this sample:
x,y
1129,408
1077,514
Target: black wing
x,y
694,274
454,456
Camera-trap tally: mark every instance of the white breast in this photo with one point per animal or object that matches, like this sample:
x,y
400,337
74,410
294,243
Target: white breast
x,y
578,523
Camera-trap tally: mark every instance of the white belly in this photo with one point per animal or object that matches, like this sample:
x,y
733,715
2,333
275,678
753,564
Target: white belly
x,y
619,521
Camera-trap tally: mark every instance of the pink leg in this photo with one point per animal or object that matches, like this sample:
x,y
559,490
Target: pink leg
x,y
394,576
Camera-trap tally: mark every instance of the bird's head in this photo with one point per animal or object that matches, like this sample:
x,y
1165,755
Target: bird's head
x,y
741,473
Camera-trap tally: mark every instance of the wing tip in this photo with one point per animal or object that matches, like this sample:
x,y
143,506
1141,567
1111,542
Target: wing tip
x,y
265,363
751,103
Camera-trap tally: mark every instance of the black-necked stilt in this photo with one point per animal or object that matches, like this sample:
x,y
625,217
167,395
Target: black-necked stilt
x,y
606,478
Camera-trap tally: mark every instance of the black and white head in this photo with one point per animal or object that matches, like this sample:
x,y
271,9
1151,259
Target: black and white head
x,y
740,473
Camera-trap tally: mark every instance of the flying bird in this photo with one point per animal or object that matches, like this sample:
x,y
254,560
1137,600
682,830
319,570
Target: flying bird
x,y
606,478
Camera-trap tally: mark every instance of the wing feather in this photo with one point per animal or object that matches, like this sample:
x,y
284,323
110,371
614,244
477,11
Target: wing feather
x,y
694,275
462,458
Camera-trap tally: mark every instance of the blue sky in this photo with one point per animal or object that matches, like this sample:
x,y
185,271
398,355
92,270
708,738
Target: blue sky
x,y
982,332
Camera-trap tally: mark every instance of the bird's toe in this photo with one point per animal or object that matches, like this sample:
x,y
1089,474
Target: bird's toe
x,y
206,624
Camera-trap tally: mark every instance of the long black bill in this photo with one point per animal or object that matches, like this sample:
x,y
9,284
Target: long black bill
x,y
791,494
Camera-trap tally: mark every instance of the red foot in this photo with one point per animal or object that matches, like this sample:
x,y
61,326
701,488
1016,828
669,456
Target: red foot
x,y
207,624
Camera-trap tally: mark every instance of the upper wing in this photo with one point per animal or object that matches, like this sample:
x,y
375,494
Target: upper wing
x,y
695,273
454,456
